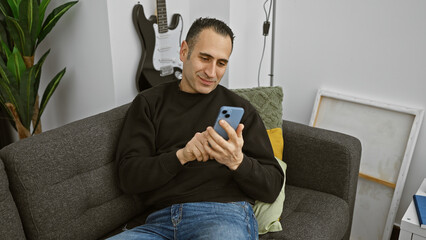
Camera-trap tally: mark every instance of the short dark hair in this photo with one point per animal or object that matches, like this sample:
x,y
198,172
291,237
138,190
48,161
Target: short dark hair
x,y
207,23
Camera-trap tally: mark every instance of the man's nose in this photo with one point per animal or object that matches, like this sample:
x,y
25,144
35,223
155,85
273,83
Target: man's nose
x,y
211,70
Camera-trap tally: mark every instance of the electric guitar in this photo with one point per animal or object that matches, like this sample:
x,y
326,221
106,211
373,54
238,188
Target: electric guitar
x,y
160,61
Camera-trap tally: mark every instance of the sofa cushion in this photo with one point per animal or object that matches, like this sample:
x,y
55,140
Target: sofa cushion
x,y
10,222
311,215
267,101
65,181
268,215
276,137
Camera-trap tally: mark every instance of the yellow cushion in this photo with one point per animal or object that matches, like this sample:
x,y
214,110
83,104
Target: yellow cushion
x,y
277,142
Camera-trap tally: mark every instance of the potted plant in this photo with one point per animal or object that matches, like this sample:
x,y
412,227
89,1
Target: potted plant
x,y
23,27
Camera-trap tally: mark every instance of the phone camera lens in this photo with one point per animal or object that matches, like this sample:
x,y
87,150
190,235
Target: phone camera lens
x,y
224,111
227,115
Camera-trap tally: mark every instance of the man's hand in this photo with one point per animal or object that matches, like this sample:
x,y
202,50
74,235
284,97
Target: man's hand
x,y
228,153
194,150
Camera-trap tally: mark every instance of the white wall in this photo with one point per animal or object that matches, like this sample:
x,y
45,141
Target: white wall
x,y
371,49
80,42
247,19
125,47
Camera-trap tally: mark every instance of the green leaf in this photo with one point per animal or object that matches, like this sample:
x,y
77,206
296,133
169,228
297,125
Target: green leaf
x,y
6,76
7,88
27,97
5,49
16,64
50,89
14,6
38,66
16,33
2,99
3,33
26,12
42,10
6,91
52,19
5,9
9,113
4,42
28,20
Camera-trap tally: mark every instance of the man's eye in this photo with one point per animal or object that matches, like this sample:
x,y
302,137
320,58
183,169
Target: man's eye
x,y
204,58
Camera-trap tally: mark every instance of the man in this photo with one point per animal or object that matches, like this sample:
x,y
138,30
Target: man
x,y
198,185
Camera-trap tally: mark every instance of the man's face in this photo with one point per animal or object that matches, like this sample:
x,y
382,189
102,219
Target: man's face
x,y
205,67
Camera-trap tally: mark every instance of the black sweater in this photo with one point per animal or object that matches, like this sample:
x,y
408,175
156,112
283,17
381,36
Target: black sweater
x,y
161,120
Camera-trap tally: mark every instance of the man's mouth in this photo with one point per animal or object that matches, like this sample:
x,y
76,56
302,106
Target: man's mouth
x,y
206,81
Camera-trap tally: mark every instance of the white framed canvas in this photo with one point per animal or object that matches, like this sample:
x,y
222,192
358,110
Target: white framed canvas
x,y
388,135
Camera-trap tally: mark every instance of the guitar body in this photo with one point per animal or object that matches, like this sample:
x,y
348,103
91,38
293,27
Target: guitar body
x,y
160,61
167,46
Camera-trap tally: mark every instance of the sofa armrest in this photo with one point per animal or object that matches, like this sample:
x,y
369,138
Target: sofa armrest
x,y
321,160
64,181
10,222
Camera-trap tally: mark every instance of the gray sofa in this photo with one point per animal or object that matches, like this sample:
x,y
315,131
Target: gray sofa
x,y
62,184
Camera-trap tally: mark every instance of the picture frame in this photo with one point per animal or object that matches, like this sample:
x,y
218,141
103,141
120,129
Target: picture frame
x,y
388,135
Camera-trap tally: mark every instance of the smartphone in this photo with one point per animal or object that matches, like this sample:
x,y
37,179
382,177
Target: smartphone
x,y
232,115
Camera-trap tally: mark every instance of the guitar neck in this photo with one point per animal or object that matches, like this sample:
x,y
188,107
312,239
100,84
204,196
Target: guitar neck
x,y
162,16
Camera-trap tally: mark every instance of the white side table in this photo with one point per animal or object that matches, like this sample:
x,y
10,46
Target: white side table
x,y
410,226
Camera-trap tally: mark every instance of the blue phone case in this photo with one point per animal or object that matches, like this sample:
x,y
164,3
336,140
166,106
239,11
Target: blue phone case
x,y
232,115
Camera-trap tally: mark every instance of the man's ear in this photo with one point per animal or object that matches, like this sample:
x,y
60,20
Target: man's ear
x,y
183,54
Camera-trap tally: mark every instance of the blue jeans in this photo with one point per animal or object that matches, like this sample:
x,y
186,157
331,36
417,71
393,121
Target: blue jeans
x,y
202,220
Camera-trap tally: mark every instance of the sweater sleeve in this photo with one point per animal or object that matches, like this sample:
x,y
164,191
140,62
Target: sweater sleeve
x,y
140,169
259,174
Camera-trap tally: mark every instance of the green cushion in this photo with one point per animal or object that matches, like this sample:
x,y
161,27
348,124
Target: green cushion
x,y
267,101
268,214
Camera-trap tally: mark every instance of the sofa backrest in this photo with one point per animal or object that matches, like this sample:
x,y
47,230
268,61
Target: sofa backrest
x,y
64,181
10,222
